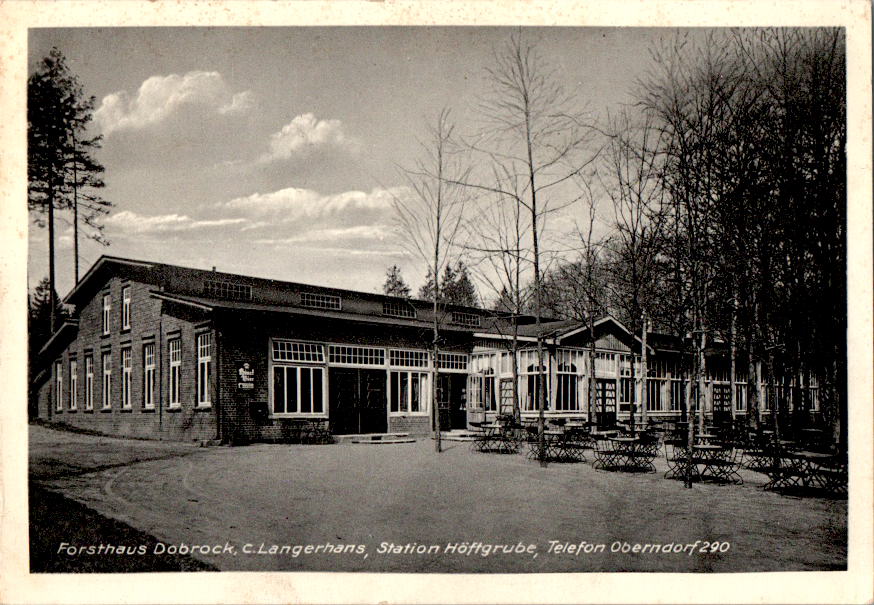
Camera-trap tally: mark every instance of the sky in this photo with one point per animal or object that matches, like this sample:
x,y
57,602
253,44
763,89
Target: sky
x,y
277,152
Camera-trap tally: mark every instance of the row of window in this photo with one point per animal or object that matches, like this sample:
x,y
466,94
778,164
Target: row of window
x,y
300,390
305,352
106,316
149,369
570,396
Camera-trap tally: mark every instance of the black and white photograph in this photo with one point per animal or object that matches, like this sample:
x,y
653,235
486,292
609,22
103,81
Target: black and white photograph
x,y
446,300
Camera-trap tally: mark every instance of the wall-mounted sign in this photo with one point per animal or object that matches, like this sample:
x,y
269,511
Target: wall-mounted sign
x,y
245,378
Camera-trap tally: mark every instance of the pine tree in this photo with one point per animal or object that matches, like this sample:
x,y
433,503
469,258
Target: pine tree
x,y
458,288
62,173
394,283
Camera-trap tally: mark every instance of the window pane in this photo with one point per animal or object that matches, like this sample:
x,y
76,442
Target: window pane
x,y
291,390
317,391
278,390
415,386
306,393
395,391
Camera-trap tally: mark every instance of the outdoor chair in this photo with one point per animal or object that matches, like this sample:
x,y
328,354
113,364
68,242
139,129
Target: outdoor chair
x,y
758,454
677,457
830,475
606,455
724,467
785,472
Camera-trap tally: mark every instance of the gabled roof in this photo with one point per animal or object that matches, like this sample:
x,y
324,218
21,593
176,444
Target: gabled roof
x,y
64,334
99,269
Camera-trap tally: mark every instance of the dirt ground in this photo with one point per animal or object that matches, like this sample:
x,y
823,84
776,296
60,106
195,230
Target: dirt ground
x,y
260,507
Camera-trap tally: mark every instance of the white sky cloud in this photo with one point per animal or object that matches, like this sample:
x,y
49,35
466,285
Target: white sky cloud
x,y
304,134
161,96
375,233
132,222
295,203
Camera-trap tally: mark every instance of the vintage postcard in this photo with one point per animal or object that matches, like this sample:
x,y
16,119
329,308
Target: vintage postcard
x,y
455,302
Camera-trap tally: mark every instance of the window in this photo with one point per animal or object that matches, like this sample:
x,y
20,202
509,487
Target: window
x,y
626,393
654,395
89,382
566,396
362,356
409,392
227,289
298,390
204,367
605,364
408,359
107,308
531,385
149,376
740,399
106,364
287,350
465,319
59,385
175,347
452,361
395,308
678,394
74,379
125,378
125,308
321,301
482,389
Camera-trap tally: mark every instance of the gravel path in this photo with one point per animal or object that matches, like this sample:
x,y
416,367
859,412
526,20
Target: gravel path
x,y
345,501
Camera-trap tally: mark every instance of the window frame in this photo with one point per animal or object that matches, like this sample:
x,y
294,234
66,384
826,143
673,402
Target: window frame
x,y
74,384
298,369
126,370
59,385
106,313
89,382
106,384
174,374
424,402
149,371
204,369
125,307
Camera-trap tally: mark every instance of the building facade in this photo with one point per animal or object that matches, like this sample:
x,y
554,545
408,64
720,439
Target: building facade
x,y
167,352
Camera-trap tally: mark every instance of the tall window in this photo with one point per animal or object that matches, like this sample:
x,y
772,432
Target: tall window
x,y
149,376
204,368
531,383
482,389
297,390
106,363
125,378
409,392
107,309
566,397
59,385
89,382
175,347
74,379
125,308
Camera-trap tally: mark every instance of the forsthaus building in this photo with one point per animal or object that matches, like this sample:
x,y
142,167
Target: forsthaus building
x,y
166,352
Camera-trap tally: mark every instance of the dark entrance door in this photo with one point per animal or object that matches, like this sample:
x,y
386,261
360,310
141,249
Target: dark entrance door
x,y
357,402
606,395
452,398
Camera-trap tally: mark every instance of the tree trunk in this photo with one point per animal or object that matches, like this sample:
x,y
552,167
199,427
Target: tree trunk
x,y
644,373
52,302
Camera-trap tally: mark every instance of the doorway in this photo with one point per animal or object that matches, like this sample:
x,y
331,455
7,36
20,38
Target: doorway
x,y
357,401
452,401
606,397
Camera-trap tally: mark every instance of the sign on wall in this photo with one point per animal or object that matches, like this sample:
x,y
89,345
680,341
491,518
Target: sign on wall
x,y
245,378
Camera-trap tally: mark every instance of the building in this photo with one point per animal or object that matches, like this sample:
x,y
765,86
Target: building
x,y
160,351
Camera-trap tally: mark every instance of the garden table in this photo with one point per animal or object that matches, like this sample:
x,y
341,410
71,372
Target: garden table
x,y
708,457
630,456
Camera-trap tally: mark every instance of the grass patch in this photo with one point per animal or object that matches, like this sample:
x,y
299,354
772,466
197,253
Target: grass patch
x,y
55,519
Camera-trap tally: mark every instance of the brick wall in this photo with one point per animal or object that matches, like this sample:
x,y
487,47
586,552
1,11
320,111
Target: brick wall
x,y
148,325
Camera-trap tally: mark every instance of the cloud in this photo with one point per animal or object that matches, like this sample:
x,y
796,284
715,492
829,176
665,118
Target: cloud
x,y
161,96
294,203
332,235
304,134
133,223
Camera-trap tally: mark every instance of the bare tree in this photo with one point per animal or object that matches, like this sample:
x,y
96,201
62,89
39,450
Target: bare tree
x,y
430,220
534,133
